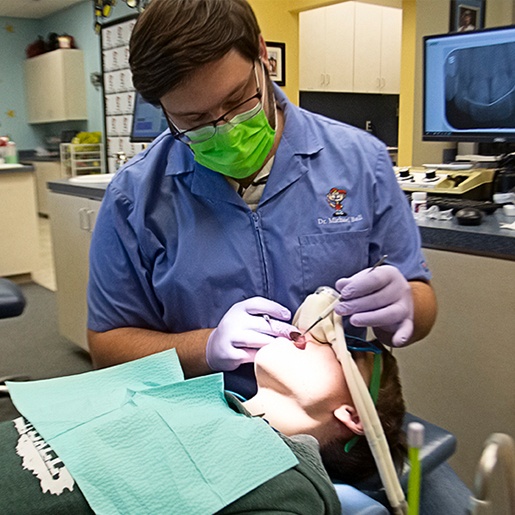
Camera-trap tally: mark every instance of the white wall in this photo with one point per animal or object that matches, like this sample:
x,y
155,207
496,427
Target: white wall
x,y
461,376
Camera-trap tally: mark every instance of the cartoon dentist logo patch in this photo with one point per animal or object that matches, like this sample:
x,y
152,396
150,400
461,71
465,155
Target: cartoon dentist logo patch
x,y
335,199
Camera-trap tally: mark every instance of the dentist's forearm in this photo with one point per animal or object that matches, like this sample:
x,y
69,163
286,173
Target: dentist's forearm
x,y
130,343
425,309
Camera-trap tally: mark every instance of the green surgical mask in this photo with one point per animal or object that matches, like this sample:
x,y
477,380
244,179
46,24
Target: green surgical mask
x,y
238,148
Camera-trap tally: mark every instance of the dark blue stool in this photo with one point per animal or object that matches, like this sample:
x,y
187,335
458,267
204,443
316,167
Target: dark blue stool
x,y
12,304
12,301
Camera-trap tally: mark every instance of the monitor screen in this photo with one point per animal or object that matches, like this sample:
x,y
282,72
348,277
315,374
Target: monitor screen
x,y
148,121
469,86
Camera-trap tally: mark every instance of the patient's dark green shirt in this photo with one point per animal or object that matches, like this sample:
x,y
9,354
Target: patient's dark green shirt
x,y
34,481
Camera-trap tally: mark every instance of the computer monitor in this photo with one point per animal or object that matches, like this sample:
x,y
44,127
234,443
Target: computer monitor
x,y
469,86
148,121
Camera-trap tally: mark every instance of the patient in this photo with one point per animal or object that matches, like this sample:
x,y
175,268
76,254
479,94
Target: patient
x,y
304,391
301,391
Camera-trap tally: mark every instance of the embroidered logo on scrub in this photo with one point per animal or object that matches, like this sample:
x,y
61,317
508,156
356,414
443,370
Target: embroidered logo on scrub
x,y
39,458
335,199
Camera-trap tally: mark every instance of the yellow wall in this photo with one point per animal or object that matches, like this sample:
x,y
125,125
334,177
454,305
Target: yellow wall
x,y
407,93
279,24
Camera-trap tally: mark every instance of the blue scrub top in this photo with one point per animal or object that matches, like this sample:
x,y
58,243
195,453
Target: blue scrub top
x,y
175,246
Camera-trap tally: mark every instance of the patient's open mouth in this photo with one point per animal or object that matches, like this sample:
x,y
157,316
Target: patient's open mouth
x,y
298,340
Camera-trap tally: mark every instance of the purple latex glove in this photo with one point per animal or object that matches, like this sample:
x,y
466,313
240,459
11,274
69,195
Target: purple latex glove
x,y
380,299
243,330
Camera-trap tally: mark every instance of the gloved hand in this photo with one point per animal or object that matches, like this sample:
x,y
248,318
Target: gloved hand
x,y
243,330
380,299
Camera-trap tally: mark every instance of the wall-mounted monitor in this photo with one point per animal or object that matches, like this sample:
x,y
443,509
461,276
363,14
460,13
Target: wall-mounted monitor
x,y
148,121
469,86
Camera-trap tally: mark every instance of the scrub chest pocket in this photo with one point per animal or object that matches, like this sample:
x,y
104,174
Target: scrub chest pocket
x,y
325,258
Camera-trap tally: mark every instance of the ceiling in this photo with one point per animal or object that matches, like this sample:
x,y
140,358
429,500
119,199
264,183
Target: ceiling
x,y
33,8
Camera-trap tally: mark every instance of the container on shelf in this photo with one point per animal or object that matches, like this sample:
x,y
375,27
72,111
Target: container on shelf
x,y
82,159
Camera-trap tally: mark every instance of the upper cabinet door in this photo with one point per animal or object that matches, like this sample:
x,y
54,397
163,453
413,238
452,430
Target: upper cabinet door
x,y
367,49
55,86
391,42
326,48
339,54
350,47
312,50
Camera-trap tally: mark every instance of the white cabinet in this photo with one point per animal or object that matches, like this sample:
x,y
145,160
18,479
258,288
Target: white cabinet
x,y
55,86
45,171
72,220
350,47
19,240
377,49
326,48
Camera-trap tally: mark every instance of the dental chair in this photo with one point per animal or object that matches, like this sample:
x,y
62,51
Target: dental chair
x,y
12,304
369,498
12,301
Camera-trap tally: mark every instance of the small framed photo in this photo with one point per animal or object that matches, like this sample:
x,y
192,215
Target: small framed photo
x,y
467,15
277,62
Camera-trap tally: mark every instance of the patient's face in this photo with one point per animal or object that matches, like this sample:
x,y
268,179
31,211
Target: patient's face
x,y
311,375
302,387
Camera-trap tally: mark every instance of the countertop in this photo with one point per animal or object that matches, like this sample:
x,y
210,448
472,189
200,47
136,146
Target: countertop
x,y
487,239
93,190
30,156
10,168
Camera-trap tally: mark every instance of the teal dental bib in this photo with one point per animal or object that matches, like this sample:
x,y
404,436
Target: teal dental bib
x,y
138,438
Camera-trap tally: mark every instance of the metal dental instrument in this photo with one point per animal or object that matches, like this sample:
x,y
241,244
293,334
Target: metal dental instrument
x,y
328,310
379,263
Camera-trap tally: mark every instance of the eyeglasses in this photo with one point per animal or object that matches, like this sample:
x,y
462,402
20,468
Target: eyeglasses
x,y
199,134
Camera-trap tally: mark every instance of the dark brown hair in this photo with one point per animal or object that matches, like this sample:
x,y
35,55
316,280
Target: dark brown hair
x,y
359,463
173,38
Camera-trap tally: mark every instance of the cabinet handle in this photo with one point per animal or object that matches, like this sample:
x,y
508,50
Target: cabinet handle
x,y
91,219
83,219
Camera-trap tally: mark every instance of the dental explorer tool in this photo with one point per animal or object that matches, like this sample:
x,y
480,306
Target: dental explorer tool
x,y
379,263
327,311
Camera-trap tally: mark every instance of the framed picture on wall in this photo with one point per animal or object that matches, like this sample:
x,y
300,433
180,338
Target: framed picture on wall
x,y
467,15
277,59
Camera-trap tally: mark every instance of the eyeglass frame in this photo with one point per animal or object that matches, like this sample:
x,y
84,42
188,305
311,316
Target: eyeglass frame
x,y
182,135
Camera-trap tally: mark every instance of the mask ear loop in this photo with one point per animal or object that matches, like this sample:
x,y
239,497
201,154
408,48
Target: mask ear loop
x,y
371,424
265,93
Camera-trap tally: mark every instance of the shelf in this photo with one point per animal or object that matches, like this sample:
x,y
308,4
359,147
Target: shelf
x,y
82,159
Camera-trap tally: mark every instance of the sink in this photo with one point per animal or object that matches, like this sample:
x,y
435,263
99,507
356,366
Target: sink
x,y
6,166
96,178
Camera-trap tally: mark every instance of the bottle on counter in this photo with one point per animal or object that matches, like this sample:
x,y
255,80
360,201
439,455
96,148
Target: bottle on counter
x,y
3,145
10,153
418,203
